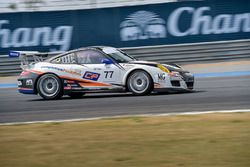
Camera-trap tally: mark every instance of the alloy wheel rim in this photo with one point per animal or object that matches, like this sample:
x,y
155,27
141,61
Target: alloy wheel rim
x,y
49,86
139,82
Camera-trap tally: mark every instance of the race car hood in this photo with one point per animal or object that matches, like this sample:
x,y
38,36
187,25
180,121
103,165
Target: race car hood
x,y
154,64
174,68
149,63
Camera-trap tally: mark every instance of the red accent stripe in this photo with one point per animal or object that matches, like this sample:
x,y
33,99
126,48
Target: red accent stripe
x,y
93,84
25,88
83,82
35,71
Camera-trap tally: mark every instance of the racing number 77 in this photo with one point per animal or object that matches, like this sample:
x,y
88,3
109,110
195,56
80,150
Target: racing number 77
x,y
108,74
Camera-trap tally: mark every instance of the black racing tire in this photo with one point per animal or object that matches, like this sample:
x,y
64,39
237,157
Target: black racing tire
x,y
76,95
49,87
140,83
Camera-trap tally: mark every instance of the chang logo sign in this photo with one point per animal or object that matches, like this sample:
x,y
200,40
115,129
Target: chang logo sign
x,y
205,24
142,25
145,25
59,37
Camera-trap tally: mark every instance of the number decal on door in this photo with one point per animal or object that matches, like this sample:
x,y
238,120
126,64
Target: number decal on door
x,y
108,74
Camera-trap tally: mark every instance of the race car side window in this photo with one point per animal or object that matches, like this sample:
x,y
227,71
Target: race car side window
x,y
66,59
89,57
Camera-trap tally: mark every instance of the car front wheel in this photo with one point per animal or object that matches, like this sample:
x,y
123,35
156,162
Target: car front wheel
x,y
49,87
140,83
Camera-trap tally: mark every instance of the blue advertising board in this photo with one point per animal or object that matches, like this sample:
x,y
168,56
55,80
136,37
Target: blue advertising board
x,y
157,24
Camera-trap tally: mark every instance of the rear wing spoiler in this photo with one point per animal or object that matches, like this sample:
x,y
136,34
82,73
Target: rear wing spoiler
x,y
29,58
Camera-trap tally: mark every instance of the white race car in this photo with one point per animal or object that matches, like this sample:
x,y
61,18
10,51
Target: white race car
x,y
97,69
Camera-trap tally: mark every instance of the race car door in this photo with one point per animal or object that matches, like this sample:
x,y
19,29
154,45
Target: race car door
x,y
96,67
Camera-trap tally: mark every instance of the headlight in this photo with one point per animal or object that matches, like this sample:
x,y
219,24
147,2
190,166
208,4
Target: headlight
x,y
174,74
163,68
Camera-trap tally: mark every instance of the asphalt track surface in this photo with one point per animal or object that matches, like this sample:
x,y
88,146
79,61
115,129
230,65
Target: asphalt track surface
x,y
224,93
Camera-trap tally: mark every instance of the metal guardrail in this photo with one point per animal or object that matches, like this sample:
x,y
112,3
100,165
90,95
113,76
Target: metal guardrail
x,y
181,53
9,66
196,52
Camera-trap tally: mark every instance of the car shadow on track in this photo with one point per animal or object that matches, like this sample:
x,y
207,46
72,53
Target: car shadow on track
x,y
114,95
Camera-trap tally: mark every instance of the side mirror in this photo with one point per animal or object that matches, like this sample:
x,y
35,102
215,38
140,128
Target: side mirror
x,y
107,61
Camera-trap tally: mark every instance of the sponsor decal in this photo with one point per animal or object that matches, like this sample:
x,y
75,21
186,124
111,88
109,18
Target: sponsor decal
x,y
19,83
67,88
38,36
76,88
97,69
142,25
14,54
161,76
128,66
74,85
63,70
69,81
29,82
91,76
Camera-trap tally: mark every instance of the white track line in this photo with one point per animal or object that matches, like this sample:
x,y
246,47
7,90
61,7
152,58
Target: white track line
x,y
124,116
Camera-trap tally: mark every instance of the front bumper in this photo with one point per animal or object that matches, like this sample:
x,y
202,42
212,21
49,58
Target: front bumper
x,y
175,81
189,79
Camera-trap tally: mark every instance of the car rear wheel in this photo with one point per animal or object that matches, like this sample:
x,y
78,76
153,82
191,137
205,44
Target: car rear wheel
x,y
140,83
49,87
76,95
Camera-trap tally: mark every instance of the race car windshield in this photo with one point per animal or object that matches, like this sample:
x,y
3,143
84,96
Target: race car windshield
x,y
118,55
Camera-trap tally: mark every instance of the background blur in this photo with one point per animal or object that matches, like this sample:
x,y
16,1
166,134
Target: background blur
x,y
49,25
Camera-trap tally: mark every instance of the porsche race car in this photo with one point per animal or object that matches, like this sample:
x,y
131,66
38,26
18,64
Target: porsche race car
x,y
96,69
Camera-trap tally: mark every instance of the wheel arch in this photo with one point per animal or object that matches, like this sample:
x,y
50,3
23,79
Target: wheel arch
x,y
35,84
125,79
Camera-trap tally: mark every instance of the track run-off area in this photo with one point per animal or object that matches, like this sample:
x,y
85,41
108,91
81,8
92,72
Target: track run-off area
x,y
210,94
